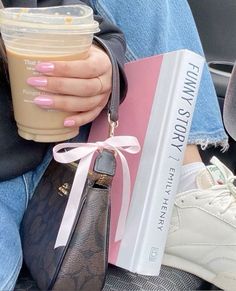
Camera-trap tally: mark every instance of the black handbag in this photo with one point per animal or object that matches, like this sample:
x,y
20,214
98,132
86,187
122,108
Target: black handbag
x,y
80,264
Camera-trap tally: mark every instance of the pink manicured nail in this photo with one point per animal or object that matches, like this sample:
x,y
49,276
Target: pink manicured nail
x,y
69,122
44,67
43,101
37,81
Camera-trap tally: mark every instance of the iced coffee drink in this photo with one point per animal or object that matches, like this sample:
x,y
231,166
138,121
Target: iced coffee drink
x,y
42,35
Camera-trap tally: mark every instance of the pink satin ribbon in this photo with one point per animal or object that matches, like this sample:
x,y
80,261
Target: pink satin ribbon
x,y
84,152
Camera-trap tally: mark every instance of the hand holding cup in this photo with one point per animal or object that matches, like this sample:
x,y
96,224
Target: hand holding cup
x,y
81,87
44,46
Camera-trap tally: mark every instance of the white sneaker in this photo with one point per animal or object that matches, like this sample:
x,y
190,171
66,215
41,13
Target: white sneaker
x,y
202,235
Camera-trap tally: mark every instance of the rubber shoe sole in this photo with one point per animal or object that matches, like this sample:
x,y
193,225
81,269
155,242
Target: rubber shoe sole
x,y
225,281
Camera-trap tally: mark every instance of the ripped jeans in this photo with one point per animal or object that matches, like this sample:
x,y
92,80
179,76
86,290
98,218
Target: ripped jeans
x,y
158,26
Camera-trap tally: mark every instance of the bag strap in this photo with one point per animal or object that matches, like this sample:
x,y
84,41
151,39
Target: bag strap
x,y
113,104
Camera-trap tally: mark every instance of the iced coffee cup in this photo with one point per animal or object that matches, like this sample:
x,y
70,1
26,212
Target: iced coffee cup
x,y
33,35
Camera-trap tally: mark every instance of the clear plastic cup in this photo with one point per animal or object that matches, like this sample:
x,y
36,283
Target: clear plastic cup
x,y
33,35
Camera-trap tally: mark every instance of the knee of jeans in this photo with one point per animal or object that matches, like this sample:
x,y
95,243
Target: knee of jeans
x,y
10,251
10,276
32,178
12,201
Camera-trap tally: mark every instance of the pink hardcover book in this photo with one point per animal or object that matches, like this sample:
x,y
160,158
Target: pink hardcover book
x,y
158,110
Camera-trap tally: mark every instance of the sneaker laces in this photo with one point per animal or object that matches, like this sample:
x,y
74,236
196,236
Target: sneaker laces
x,y
227,193
224,190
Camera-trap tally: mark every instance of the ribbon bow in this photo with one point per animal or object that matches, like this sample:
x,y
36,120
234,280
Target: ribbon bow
x,y
84,152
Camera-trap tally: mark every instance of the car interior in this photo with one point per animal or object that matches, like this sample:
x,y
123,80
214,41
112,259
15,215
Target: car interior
x,y
216,23
215,20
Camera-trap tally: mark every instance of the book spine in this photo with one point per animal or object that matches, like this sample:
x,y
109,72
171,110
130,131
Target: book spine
x,y
148,221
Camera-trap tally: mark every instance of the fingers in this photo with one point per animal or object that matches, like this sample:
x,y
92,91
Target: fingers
x,y
85,109
72,86
95,65
83,117
81,87
71,103
79,78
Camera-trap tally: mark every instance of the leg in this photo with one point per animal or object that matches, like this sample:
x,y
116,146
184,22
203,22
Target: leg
x,y
13,201
191,155
14,197
159,27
